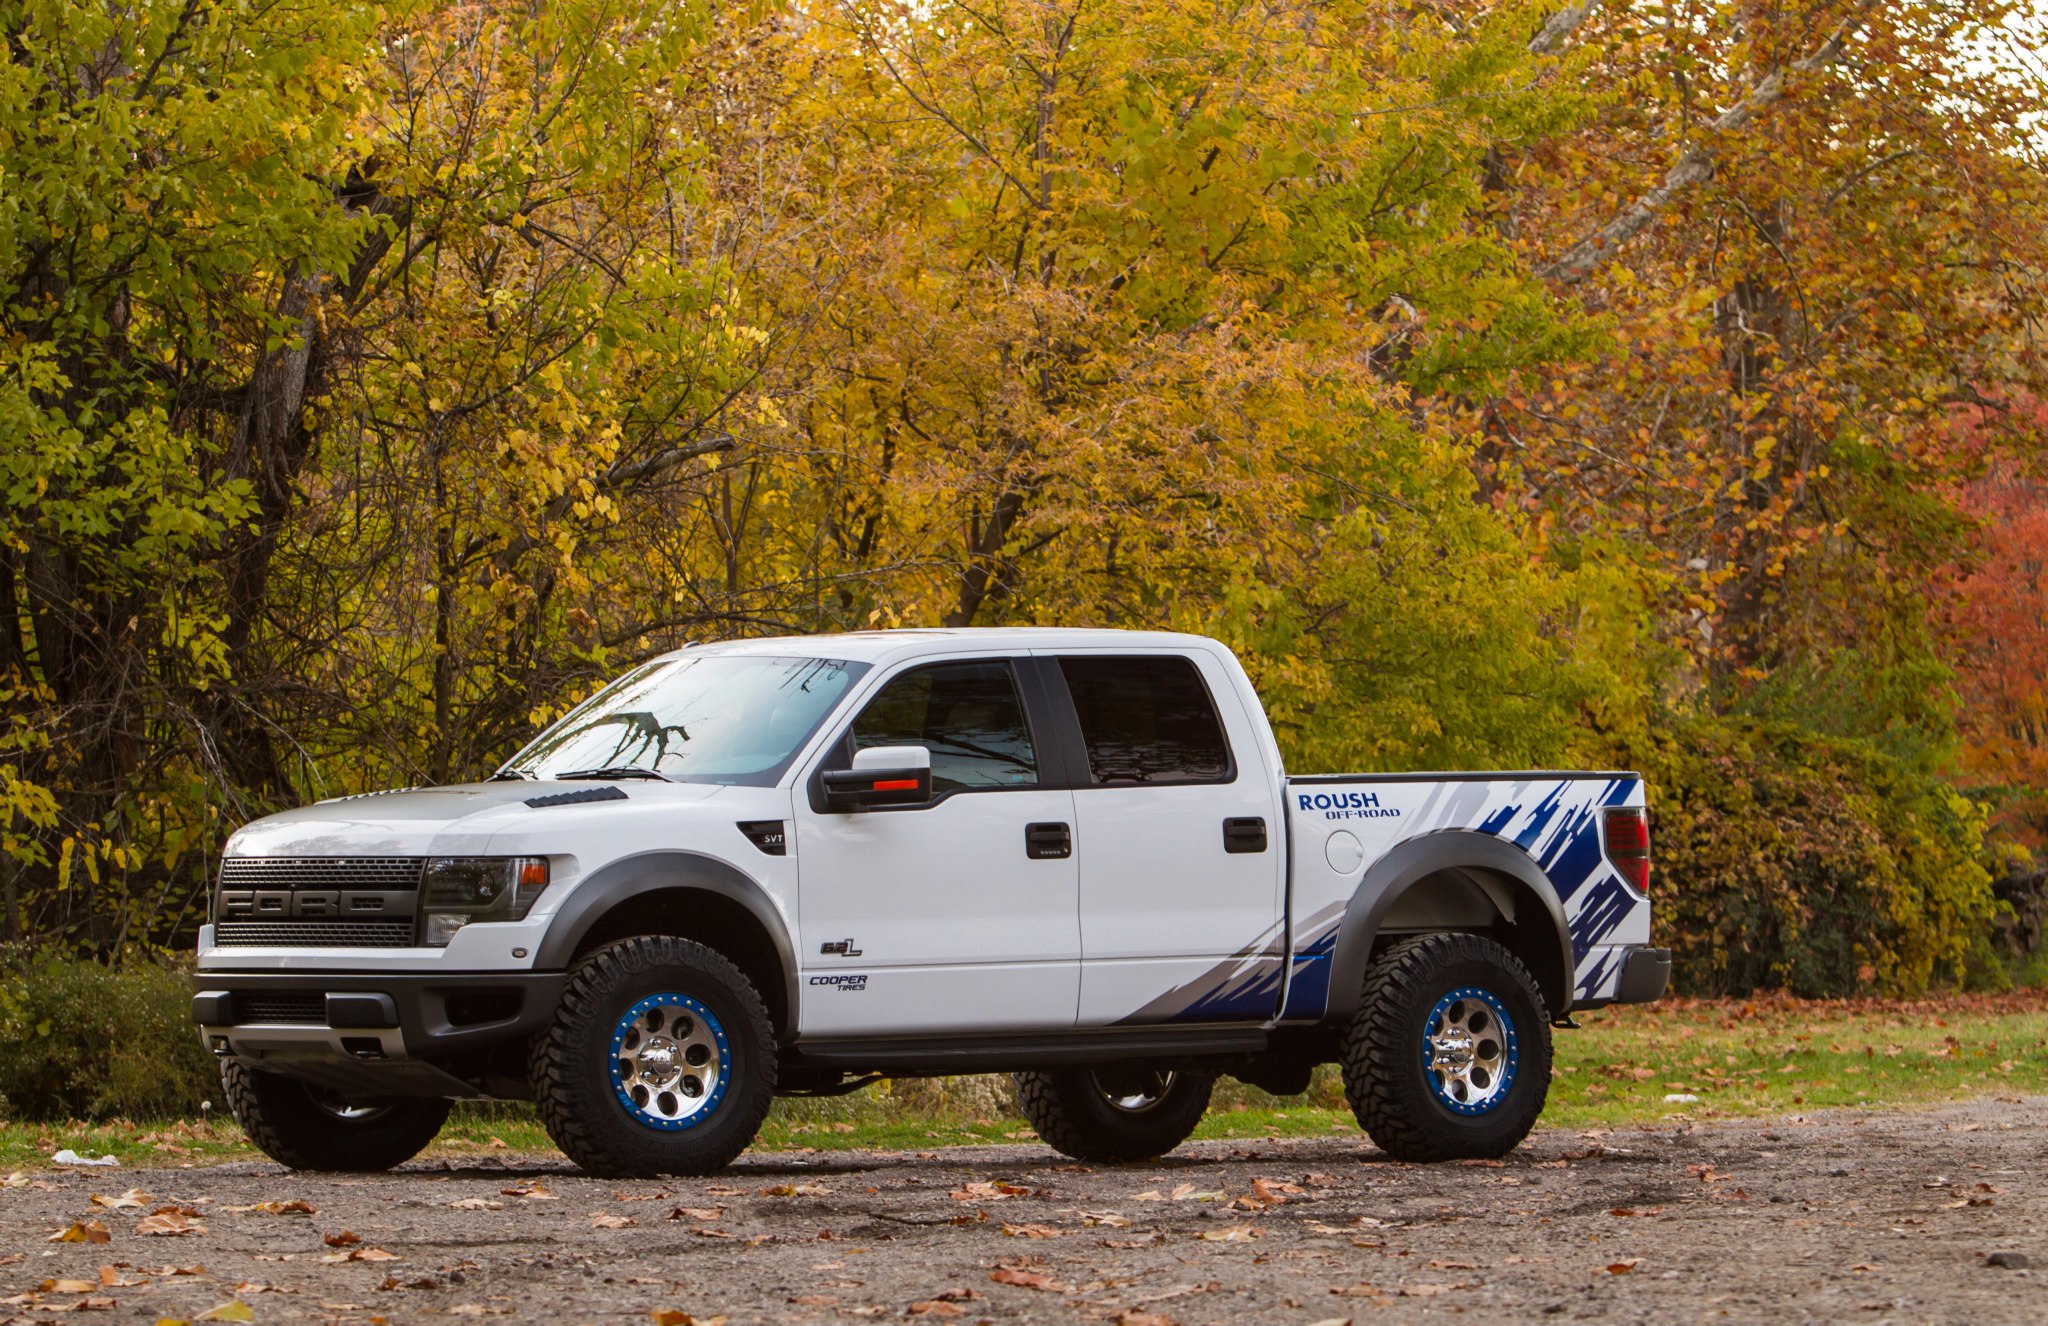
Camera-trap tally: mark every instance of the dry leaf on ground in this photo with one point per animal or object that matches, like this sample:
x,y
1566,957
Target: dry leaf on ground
x,y
1011,1275
171,1222
82,1231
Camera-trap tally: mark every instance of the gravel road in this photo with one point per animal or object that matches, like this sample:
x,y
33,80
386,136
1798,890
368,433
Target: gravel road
x,y
1888,1217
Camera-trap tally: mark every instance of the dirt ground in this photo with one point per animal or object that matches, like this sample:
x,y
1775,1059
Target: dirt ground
x,y
1895,1217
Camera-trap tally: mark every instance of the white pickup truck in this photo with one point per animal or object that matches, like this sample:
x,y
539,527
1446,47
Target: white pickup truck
x,y
798,865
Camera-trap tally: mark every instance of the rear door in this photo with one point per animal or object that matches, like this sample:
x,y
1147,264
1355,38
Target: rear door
x,y
957,916
1178,840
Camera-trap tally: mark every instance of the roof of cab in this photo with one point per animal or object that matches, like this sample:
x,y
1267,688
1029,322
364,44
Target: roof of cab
x,y
887,646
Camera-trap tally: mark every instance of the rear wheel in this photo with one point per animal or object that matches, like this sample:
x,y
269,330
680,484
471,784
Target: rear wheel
x,y
1114,1115
1449,1056
308,1127
661,1060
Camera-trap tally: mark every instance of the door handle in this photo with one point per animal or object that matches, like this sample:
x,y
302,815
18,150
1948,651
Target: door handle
x,y
1048,842
1244,833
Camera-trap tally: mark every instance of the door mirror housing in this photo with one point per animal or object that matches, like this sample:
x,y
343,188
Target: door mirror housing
x,y
881,776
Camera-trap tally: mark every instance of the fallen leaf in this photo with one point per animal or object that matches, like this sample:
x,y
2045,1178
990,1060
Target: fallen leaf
x,y
233,1310
67,1287
86,1231
601,1220
1231,1234
1624,1266
532,1192
696,1213
1033,1231
1632,1211
1010,1275
796,1190
932,1307
1440,1264
478,1310
358,1255
171,1222
134,1197
293,1207
986,1192
477,1204
347,1238
815,1301
1107,1218
671,1317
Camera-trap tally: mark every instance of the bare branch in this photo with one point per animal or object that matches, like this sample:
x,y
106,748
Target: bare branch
x,y
1558,28
1695,164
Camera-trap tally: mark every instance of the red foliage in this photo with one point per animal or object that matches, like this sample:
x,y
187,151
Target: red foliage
x,y
1998,613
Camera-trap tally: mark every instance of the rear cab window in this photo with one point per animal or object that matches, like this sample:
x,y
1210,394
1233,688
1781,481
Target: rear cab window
x,y
1147,721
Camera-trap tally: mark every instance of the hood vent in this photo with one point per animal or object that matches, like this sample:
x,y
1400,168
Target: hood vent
x,y
577,798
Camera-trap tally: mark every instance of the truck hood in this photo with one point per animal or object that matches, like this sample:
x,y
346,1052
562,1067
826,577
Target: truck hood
x,y
438,821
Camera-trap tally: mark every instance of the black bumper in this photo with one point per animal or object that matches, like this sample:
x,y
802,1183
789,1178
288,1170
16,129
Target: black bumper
x,y
1644,976
422,1015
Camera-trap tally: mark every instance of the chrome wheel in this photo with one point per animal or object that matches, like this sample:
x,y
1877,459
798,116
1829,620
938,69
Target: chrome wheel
x,y
670,1061
1133,1090
1469,1050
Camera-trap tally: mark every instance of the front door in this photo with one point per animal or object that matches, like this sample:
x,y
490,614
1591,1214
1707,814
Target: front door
x,y
958,916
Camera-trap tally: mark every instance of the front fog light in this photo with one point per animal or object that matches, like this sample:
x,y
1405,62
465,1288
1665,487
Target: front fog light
x,y
457,890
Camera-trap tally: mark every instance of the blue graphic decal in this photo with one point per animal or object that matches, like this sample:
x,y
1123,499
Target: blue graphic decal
x,y
1605,908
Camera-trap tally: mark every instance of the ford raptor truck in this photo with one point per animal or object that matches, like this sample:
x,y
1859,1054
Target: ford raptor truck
x,y
800,865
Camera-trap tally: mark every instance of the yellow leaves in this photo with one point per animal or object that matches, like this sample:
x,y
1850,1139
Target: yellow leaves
x,y
85,1231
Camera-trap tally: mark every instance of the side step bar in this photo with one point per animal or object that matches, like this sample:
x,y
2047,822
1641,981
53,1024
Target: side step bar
x,y
906,1056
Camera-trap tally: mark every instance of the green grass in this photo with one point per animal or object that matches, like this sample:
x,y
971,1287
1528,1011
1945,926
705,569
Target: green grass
x,y
1754,1057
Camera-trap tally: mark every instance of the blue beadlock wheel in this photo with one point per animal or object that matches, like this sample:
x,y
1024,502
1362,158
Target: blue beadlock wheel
x,y
1470,1051
671,1062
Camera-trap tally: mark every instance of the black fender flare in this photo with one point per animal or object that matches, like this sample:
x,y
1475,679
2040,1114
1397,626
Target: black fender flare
x,y
656,872
1408,865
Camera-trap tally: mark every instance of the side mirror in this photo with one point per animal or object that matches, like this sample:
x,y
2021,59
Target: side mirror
x,y
881,776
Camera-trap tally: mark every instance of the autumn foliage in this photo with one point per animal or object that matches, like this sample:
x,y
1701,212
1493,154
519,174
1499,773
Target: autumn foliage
x,y
1512,385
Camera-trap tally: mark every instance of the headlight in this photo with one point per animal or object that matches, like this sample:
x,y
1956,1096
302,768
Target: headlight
x,y
456,890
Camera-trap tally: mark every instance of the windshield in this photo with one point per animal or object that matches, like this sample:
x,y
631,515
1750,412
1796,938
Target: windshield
x,y
715,718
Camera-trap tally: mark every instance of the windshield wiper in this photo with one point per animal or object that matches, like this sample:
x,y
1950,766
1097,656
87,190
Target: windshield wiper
x,y
613,771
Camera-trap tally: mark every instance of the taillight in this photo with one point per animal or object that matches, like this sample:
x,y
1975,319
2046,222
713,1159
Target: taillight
x,y
1628,844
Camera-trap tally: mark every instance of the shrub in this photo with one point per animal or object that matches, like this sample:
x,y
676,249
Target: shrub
x,y
1817,864
81,1039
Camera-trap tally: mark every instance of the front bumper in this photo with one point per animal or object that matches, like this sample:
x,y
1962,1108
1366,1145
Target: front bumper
x,y
390,1034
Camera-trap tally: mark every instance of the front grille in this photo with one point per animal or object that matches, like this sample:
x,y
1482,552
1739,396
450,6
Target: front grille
x,y
386,873
313,934
282,1006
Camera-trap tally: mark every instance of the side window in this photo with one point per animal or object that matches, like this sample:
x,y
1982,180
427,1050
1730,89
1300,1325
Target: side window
x,y
1147,721
966,714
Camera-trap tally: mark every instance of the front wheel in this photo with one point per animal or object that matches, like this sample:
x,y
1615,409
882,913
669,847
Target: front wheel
x,y
660,1060
1114,1115
308,1127
1449,1056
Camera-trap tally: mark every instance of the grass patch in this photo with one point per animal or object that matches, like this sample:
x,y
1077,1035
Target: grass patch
x,y
1765,1056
